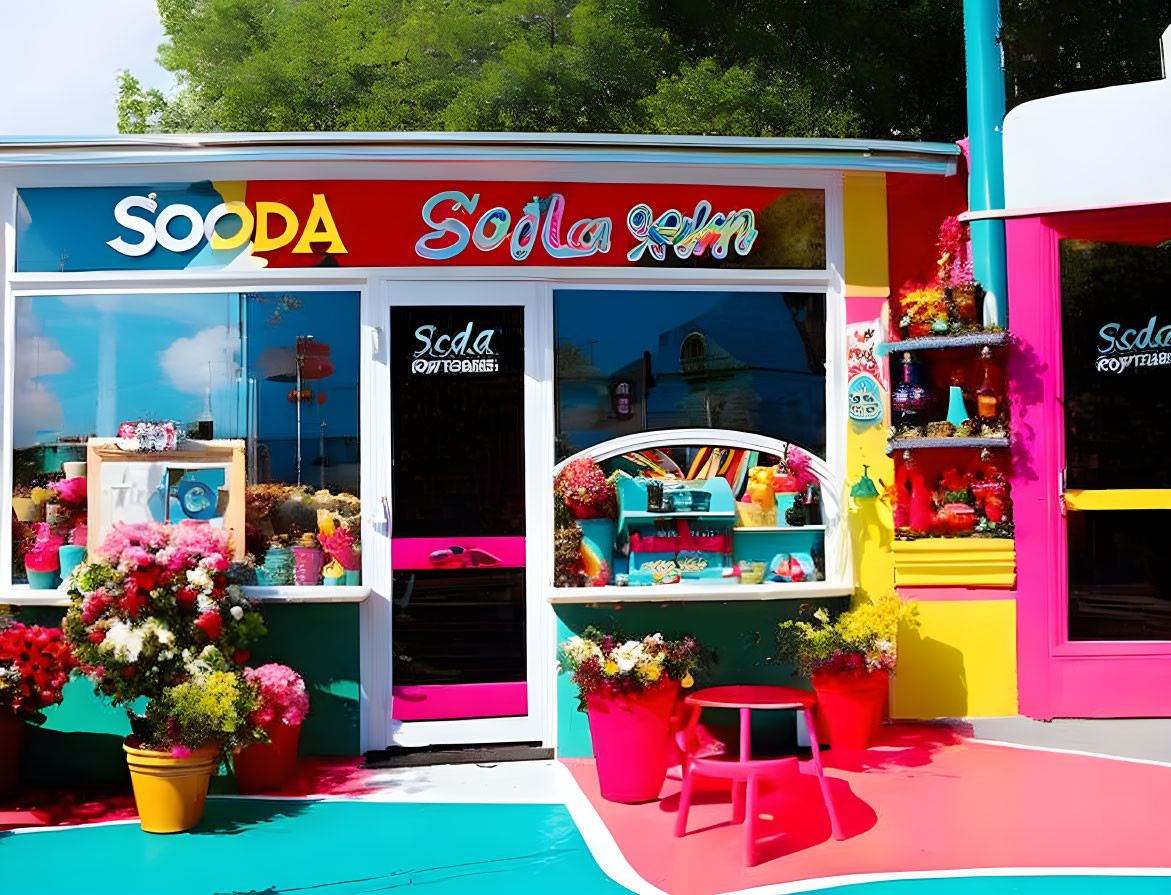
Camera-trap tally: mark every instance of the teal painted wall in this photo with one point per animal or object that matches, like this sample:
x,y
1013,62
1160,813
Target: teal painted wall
x,y
81,743
739,639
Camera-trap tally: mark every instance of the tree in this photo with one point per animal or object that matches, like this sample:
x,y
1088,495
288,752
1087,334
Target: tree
x,y
878,68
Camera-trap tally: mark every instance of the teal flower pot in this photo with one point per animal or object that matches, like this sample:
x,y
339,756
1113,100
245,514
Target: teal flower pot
x,y
71,556
352,577
42,580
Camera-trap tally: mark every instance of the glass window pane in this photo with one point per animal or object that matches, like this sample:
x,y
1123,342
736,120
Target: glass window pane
x,y
629,361
1116,342
223,366
1119,580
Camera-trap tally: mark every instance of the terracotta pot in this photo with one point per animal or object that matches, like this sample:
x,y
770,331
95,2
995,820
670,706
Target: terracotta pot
x,y
850,707
11,739
265,767
170,792
631,734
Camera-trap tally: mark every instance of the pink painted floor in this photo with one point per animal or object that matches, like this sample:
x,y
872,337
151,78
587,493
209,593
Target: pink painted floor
x,y
923,798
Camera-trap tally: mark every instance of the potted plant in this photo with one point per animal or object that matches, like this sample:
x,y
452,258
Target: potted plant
x,y
592,500
628,688
152,615
42,561
849,661
34,665
281,707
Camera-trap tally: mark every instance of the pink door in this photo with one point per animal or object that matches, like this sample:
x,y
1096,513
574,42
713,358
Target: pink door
x,y
1090,301
458,512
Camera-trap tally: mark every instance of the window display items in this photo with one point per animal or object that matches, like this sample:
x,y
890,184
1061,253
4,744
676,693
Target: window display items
x,y
910,399
586,499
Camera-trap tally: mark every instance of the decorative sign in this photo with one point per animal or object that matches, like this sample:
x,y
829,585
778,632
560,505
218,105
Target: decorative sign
x,y
246,225
1122,349
865,398
865,374
459,353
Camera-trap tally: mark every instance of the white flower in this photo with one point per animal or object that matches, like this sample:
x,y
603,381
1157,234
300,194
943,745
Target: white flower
x,y
165,636
628,655
199,577
125,641
821,615
578,650
237,612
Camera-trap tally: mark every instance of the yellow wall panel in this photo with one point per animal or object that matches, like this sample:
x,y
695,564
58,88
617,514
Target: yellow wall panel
x,y
961,661
864,212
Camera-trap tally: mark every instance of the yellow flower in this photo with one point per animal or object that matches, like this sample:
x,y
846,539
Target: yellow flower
x,y
688,681
651,672
611,667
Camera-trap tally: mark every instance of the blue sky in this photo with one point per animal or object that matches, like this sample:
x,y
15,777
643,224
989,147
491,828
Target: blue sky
x,y
61,58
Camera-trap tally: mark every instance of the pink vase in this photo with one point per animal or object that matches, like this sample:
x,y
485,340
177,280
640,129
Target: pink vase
x,y
850,707
307,564
631,737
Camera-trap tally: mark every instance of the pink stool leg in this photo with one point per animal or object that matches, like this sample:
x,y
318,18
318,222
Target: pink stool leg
x,y
684,805
835,827
750,824
739,787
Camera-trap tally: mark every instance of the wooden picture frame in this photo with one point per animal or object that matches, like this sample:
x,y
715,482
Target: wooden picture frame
x,y
226,454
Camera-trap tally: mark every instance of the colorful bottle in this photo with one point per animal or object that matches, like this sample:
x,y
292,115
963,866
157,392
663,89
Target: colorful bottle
x,y
987,399
910,399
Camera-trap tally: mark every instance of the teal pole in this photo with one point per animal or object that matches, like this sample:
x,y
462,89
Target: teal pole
x,y
985,67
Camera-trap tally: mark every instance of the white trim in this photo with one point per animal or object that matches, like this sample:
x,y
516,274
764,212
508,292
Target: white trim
x,y
23,595
691,593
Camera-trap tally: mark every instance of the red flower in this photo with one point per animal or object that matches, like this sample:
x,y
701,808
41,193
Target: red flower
x,y
128,672
147,578
133,602
210,623
240,656
185,597
97,636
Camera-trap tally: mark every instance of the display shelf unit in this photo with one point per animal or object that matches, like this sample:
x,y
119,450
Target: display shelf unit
x,y
918,444
928,343
23,595
685,592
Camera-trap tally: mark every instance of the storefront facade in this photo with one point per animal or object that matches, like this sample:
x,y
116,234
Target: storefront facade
x,y
434,327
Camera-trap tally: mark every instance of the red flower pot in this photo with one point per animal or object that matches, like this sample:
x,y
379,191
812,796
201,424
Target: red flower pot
x,y
265,767
11,738
850,706
631,736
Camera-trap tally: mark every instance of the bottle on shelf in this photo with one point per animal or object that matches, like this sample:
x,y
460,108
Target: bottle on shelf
x,y
910,399
987,397
957,412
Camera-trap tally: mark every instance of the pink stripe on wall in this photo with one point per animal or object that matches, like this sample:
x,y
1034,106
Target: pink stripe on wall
x,y
448,701
479,553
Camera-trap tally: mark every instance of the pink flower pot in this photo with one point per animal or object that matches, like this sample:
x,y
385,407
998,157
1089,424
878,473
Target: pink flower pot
x,y
266,767
307,565
850,707
631,737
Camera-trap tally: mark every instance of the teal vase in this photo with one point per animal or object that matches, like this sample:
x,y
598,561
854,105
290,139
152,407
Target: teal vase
x,y
957,413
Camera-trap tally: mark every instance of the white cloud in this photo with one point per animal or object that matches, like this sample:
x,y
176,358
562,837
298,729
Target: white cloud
x,y
61,58
36,407
189,362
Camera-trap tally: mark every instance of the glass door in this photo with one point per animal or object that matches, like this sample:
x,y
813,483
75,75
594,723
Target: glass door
x,y
464,629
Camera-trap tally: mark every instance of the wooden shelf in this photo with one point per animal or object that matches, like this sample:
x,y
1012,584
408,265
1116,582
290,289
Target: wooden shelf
x,y
928,343
918,444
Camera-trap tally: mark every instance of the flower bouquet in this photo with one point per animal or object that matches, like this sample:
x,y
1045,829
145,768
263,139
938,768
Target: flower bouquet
x,y
628,688
585,499
338,540
849,662
152,615
34,665
281,707
43,561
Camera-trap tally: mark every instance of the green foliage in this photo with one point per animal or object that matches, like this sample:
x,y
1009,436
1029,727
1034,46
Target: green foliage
x,y
879,68
213,707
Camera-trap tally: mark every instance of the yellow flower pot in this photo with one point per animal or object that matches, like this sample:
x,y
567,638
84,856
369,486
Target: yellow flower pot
x,y
169,791
26,510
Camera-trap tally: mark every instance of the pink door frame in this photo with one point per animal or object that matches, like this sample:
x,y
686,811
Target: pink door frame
x,y
1059,678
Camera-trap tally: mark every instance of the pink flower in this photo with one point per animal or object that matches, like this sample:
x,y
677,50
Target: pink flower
x,y
216,562
282,694
71,491
137,556
180,752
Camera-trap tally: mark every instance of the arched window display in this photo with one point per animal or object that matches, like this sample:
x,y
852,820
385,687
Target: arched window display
x,y
697,510
229,409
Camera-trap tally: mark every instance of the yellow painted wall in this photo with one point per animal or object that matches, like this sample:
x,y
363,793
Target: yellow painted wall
x,y
864,224
961,661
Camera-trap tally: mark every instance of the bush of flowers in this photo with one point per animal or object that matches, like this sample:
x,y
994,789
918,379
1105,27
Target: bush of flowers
x,y
34,665
862,640
605,663
151,610
281,696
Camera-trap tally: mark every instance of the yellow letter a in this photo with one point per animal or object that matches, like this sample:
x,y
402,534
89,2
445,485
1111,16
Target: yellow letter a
x,y
320,220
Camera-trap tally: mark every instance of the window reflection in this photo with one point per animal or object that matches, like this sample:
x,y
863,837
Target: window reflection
x,y
628,361
224,365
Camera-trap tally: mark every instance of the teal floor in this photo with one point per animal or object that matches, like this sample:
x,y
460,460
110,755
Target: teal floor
x,y
263,847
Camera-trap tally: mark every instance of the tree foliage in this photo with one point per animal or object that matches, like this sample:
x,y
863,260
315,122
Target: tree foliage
x,y
880,68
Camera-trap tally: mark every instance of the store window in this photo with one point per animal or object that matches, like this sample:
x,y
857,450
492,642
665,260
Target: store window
x,y
629,361
277,371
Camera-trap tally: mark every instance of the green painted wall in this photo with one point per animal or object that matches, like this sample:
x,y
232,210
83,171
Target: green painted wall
x,y
739,639
81,743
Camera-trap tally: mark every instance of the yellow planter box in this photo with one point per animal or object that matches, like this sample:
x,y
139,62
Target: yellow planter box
x,y
955,562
